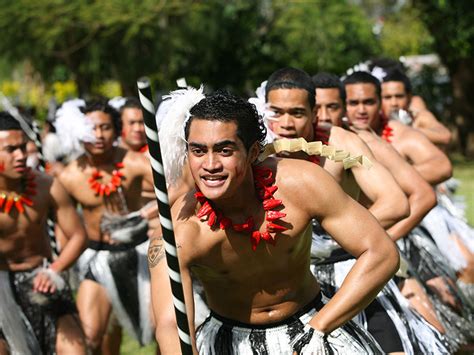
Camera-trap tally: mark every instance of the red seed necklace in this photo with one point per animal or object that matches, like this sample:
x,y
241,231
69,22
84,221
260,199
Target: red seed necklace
x,y
115,182
12,199
265,189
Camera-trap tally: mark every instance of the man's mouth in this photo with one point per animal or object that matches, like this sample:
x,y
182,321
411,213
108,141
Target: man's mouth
x,y
214,180
20,168
287,135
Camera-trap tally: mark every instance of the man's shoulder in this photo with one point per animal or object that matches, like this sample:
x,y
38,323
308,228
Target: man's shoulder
x,y
135,160
71,175
345,139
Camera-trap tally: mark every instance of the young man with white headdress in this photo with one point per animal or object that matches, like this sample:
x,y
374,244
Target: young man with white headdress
x,y
244,232
37,310
106,181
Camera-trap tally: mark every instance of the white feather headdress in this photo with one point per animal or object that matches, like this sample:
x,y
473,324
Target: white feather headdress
x,y
73,128
117,102
262,108
171,120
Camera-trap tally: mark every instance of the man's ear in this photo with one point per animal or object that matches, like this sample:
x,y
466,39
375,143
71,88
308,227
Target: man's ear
x,y
254,152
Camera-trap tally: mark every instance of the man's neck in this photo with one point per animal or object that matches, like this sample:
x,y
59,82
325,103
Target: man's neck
x,y
106,158
7,184
133,148
244,197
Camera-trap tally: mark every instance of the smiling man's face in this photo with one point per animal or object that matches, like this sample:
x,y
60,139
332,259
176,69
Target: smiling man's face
x,y
217,158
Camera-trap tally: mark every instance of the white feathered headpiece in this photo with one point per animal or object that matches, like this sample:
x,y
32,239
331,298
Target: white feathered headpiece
x,y
263,110
117,102
73,128
171,120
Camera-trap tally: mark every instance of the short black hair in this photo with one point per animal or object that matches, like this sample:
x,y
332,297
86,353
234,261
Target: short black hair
x,y
325,80
225,107
102,105
130,102
398,75
291,78
8,122
386,64
362,77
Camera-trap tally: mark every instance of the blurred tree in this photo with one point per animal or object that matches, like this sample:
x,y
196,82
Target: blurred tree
x,y
234,43
403,33
450,23
321,35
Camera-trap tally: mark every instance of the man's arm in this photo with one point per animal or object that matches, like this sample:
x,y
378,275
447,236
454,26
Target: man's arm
x,y
70,223
389,203
162,299
432,164
358,232
421,196
434,130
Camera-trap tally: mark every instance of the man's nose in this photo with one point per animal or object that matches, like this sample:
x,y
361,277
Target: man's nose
x,y
286,121
212,162
323,114
361,107
98,132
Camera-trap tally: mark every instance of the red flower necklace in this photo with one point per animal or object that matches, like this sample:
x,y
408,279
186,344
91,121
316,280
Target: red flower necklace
x,y
102,189
12,199
387,131
265,189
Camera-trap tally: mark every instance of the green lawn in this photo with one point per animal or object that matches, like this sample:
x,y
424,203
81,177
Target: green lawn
x,y
463,171
131,347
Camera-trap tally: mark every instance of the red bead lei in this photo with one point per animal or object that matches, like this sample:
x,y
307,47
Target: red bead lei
x,y
265,189
12,199
387,133
102,189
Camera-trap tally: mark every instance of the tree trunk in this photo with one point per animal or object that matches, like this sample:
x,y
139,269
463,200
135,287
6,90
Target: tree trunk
x,y
462,79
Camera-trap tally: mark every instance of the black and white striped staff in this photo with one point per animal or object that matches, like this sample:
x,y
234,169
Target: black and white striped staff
x,y
161,191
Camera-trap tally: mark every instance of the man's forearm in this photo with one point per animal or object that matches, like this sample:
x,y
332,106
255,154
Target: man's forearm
x,y
435,171
388,214
70,253
420,204
367,277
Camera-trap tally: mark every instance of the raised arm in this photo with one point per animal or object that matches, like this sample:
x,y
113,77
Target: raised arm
x,y
358,232
388,203
70,223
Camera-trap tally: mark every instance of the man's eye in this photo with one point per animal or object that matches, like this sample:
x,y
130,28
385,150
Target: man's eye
x,y
276,114
197,151
226,151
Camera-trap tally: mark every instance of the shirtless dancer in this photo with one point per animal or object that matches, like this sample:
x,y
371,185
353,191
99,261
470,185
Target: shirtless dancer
x,y
107,181
424,120
362,108
397,95
255,273
287,91
30,281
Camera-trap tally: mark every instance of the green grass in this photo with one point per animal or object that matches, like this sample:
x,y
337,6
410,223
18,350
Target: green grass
x,y
463,171
131,347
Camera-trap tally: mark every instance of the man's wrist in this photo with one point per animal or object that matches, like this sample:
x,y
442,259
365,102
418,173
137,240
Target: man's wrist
x,y
316,332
